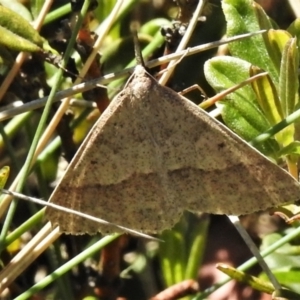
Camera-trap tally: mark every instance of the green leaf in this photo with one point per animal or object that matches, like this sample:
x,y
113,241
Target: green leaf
x,y
262,18
292,148
16,24
240,110
241,17
280,259
18,35
289,86
15,42
18,8
197,248
269,102
288,278
288,81
254,282
267,97
275,41
172,255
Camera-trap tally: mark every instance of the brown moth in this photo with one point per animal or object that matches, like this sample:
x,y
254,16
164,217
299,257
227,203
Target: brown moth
x,y
152,155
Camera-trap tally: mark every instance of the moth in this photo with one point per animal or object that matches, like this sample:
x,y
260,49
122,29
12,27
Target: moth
x,y
153,154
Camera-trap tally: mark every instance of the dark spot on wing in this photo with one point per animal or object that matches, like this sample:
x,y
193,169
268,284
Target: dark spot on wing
x,y
221,146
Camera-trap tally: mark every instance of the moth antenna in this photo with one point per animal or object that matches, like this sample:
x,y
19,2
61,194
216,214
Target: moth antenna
x,y
137,49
